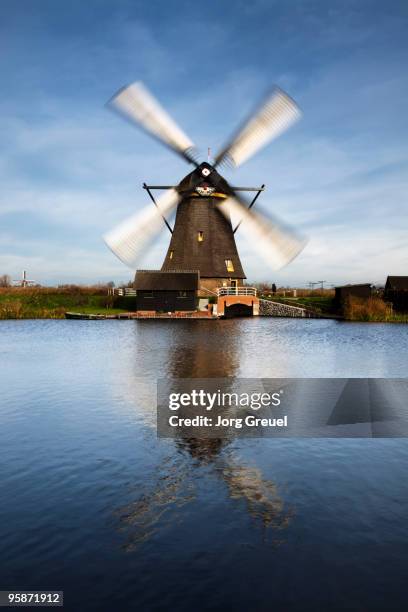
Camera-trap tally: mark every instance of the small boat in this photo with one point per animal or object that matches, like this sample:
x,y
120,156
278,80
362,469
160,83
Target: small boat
x,y
80,315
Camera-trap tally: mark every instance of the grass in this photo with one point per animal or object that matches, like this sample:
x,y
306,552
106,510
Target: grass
x,y
320,304
374,309
93,310
52,303
398,318
354,309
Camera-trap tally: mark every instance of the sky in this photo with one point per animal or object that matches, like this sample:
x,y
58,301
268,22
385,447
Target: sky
x,y
70,169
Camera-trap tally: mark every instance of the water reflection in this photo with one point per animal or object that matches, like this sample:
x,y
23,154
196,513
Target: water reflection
x,y
261,495
201,352
141,519
79,441
186,349
190,351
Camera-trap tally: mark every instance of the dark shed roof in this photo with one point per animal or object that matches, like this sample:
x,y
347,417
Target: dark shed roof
x,y
170,280
350,286
397,283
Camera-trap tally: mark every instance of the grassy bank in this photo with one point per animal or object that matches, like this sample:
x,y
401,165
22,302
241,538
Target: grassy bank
x,y
374,309
354,309
52,303
319,304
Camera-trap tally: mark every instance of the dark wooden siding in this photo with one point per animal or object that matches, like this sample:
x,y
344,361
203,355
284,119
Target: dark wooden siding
x,y
396,292
166,301
361,291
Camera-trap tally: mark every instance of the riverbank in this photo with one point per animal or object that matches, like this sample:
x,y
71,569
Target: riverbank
x,y
372,310
54,302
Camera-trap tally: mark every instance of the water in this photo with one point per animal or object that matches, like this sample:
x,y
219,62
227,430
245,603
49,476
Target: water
x,y
94,504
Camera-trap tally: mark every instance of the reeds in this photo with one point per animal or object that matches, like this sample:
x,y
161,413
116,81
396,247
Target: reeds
x,y
50,302
371,309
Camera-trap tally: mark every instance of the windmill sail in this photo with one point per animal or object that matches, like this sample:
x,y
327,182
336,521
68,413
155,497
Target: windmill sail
x,y
130,239
274,241
274,116
137,104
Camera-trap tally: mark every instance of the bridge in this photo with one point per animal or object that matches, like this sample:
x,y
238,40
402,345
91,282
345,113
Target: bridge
x,y
241,301
237,302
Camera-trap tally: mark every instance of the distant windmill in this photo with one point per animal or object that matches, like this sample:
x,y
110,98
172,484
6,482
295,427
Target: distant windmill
x,y
23,282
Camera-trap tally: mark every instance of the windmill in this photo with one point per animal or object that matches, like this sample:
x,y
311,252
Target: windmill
x,y
24,282
203,236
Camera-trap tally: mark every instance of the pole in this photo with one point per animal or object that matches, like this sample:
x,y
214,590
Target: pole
x,y
251,205
155,203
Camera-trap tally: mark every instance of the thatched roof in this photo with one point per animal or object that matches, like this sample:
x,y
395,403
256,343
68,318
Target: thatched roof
x,y
169,280
209,256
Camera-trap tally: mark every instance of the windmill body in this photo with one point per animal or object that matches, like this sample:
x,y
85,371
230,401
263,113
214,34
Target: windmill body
x,y
203,237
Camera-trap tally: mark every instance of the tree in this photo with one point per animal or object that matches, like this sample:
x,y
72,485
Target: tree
x,y
5,280
273,288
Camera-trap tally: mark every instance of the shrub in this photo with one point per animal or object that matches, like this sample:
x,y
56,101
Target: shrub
x,y
372,309
11,310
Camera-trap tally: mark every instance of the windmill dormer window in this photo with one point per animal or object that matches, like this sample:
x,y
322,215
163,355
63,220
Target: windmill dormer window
x,y
229,265
200,236
171,255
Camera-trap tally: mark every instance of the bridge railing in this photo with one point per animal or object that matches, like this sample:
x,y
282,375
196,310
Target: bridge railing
x,y
127,291
236,291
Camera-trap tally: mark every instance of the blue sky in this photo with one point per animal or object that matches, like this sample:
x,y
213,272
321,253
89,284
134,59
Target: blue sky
x,y
70,169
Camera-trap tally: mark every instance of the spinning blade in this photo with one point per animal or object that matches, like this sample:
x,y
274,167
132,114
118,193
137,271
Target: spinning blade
x,y
129,240
273,117
137,104
275,242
